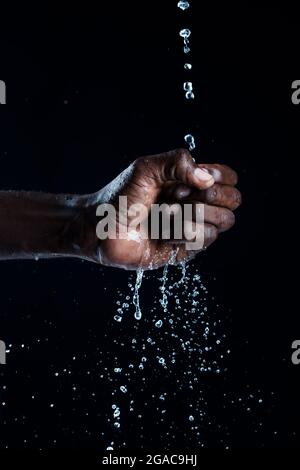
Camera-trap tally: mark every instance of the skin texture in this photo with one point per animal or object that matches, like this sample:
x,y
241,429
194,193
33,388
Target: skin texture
x,y
45,225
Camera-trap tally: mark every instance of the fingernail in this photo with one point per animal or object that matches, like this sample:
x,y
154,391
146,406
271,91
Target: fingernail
x,y
203,174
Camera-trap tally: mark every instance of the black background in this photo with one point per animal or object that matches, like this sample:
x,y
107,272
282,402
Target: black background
x,y
89,90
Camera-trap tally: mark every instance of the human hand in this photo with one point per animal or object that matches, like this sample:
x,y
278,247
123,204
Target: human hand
x,y
171,177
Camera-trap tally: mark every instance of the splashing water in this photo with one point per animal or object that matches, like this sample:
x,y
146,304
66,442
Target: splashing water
x,y
164,279
136,297
179,327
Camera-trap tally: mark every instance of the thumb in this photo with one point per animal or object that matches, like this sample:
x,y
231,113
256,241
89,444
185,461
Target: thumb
x,y
177,165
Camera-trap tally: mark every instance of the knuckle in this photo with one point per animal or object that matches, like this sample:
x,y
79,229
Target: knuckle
x,y
182,155
212,194
138,163
143,166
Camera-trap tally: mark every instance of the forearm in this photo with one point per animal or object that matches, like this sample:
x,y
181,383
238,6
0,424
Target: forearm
x,y
42,225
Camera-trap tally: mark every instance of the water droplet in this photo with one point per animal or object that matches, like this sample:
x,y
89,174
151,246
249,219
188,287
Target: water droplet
x,y
188,66
189,95
183,5
185,33
190,141
188,86
158,324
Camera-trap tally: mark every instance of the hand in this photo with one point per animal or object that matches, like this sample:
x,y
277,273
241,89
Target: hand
x,y
171,177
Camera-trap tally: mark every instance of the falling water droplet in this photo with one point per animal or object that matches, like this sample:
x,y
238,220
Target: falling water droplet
x,y
188,86
190,141
185,33
183,5
188,66
136,297
118,318
189,95
164,300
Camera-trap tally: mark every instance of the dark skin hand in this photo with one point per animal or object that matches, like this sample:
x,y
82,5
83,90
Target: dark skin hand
x,y
45,225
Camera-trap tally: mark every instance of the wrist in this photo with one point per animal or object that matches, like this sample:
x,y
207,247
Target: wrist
x,y
80,233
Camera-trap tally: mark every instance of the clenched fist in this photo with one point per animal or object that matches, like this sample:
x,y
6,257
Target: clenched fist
x,y
170,178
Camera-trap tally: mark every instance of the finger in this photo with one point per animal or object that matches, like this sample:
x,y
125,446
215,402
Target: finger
x,y
196,234
219,195
181,191
221,217
175,191
172,253
177,165
178,252
222,174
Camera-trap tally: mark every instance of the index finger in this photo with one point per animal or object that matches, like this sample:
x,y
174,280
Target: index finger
x,y
222,174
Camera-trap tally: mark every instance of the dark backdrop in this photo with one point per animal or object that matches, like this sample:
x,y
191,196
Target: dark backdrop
x,y
88,91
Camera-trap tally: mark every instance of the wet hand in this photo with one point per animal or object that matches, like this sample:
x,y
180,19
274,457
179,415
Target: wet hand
x,y
169,178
